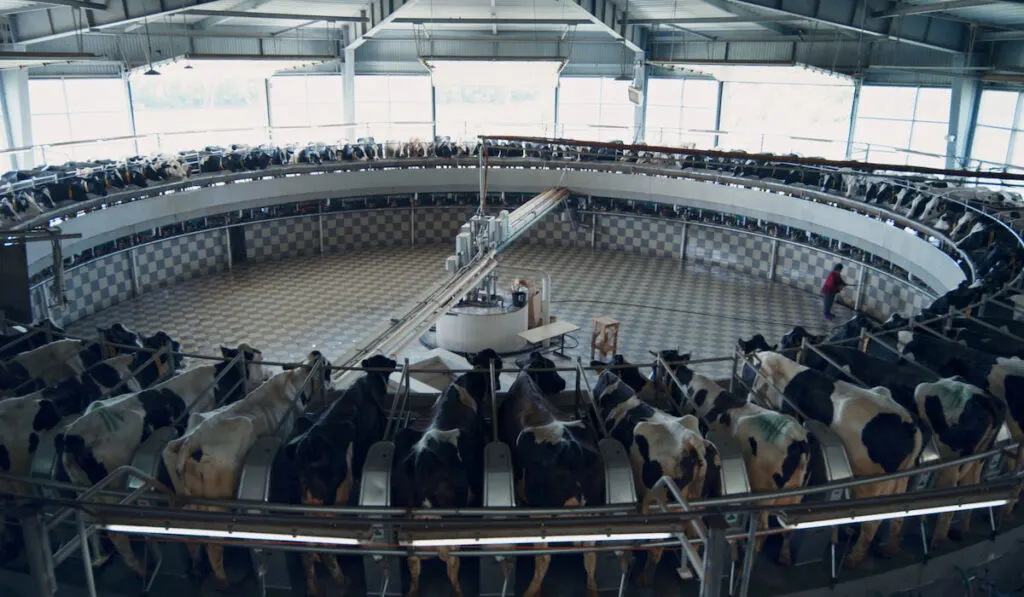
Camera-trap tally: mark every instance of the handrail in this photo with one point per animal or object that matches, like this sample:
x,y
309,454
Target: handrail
x,y
124,469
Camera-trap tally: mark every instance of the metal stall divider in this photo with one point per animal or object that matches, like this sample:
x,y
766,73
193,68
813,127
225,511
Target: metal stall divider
x,y
733,478
829,463
256,482
497,573
619,488
383,573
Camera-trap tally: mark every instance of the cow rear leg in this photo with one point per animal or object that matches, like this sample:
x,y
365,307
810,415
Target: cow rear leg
x,y
453,575
216,555
540,570
785,552
868,530
333,568
309,566
590,564
195,556
653,559
123,545
415,567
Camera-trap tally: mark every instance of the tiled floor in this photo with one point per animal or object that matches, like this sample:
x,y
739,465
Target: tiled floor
x,y
287,308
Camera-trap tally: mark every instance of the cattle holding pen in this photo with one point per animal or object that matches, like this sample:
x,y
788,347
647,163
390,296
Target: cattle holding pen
x,y
122,446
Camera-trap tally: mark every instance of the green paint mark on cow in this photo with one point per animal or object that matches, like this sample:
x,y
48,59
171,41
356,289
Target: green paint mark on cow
x,y
111,419
772,426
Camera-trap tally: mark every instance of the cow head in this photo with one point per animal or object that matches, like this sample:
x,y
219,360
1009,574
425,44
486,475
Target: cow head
x,y
119,334
663,383
382,367
549,382
323,464
759,343
440,479
160,340
481,363
255,372
306,367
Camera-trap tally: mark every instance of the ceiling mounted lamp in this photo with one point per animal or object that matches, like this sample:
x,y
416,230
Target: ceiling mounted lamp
x,y
149,55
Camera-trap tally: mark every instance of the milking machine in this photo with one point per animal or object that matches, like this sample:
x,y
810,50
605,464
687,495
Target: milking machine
x,y
497,573
829,463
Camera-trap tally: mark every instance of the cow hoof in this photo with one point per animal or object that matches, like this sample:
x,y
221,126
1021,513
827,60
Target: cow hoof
x,y
887,551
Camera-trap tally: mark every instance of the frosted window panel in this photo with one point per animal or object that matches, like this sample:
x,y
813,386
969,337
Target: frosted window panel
x,y
662,117
579,89
46,96
892,133
668,92
371,88
287,90
97,126
289,115
50,128
406,111
1017,157
617,114
699,118
933,104
997,108
886,102
698,141
614,92
580,114
324,89
95,95
325,113
990,144
373,112
929,137
700,93
411,88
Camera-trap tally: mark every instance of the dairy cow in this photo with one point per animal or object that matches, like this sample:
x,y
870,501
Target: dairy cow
x,y
776,450
442,467
42,367
207,460
24,339
556,461
328,457
658,445
879,435
111,430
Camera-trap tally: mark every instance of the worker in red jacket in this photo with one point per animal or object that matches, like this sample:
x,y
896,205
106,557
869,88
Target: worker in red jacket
x,y
834,284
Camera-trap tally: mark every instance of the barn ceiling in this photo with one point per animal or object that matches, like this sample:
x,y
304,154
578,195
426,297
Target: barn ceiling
x,y
943,38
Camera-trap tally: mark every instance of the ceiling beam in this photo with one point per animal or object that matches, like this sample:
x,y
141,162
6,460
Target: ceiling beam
x,y
607,15
1015,35
213,21
42,26
743,12
75,4
239,14
919,30
904,9
487,21
380,14
716,20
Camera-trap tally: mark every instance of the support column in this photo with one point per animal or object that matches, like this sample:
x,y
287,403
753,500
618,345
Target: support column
x,y
593,233
640,75
682,242
853,118
412,219
773,260
131,112
349,93
860,287
133,270
320,226
17,115
227,247
39,553
963,113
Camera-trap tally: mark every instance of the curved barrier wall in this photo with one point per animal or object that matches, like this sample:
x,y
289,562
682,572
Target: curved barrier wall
x,y
753,200
108,280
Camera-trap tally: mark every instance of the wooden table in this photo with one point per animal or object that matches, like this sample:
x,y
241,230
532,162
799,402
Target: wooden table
x,y
546,332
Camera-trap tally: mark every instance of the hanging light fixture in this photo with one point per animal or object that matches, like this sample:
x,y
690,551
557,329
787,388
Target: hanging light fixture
x,y
149,54
184,25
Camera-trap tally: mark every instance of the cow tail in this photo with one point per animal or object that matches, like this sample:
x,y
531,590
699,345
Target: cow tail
x,y
175,455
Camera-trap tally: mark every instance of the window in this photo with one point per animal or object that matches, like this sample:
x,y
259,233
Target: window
x,y
189,109
393,107
997,139
595,109
66,110
676,108
807,119
306,107
903,125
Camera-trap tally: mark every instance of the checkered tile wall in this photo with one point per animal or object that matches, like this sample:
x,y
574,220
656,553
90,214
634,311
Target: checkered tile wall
x,y
364,229
97,285
638,234
282,239
885,295
552,231
743,252
441,224
164,263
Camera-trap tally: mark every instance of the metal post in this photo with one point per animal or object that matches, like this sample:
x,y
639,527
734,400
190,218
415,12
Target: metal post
x,y
593,233
715,552
772,261
227,246
682,242
90,582
748,557
861,278
320,225
39,554
412,219
133,270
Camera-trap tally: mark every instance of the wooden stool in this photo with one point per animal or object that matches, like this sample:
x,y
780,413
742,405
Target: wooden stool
x,y
605,337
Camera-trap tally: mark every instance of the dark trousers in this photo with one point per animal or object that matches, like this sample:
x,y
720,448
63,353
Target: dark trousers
x,y
830,298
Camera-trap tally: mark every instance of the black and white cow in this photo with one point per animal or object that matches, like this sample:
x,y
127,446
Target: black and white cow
x,y
328,457
42,367
775,446
658,445
26,338
111,430
442,467
879,435
207,460
556,461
